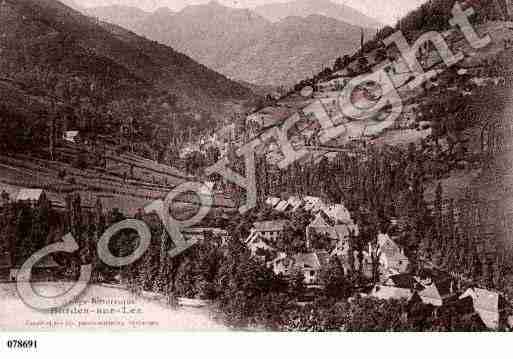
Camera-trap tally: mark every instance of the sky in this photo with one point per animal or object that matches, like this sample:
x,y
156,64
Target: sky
x,y
386,11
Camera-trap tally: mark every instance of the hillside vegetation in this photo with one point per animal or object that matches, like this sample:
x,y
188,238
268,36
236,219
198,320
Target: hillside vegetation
x,y
86,77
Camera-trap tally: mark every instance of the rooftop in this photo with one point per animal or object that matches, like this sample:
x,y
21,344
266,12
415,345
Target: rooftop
x,y
314,261
29,194
270,226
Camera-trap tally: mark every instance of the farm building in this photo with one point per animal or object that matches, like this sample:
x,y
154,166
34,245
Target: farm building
x,y
71,136
29,194
270,230
490,306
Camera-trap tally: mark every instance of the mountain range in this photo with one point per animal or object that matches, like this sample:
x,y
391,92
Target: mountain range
x,y
44,40
252,46
303,8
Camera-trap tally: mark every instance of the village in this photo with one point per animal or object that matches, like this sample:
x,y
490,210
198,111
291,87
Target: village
x,y
381,270
328,237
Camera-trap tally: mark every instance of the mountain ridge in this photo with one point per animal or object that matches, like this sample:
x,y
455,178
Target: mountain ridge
x,y
277,11
205,33
61,48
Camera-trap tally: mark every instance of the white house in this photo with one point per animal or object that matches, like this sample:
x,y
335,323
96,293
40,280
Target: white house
x,y
198,234
318,222
337,233
339,213
272,201
281,265
271,230
391,292
259,246
31,195
70,136
391,256
400,286
437,292
295,203
283,206
488,305
311,264
313,204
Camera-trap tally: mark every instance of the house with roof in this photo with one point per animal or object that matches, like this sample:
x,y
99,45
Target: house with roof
x,y
199,233
365,266
338,234
71,136
399,286
313,204
462,309
385,292
490,306
271,230
338,213
272,201
311,264
391,256
281,265
404,280
437,291
295,203
319,221
341,248
30,195
283,206
260,247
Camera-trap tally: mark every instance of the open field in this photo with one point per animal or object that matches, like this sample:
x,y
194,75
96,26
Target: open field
x,y
112,188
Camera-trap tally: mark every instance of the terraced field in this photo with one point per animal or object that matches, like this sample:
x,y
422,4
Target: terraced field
x,y
114,189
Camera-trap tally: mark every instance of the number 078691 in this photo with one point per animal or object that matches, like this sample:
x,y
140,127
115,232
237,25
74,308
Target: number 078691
x,y
22,344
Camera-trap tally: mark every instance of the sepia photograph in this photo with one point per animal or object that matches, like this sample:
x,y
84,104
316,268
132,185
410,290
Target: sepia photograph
x,y
255,166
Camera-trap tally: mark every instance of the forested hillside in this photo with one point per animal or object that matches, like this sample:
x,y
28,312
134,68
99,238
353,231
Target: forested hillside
x,y
84,77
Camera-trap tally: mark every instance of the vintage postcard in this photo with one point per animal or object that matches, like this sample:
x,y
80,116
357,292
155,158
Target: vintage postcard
x,y
260,165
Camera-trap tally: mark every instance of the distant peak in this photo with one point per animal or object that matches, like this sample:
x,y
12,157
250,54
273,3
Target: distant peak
x,y
214,3
163,10
315,1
